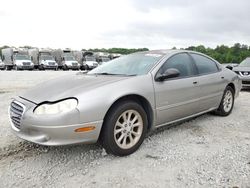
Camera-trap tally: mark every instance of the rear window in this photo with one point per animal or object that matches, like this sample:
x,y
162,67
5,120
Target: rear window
x,y
204,64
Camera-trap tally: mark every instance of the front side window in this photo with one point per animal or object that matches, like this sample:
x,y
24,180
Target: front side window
x,y
182,62
204,64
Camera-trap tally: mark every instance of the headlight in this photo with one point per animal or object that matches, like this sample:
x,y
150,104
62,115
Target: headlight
x,y
56,108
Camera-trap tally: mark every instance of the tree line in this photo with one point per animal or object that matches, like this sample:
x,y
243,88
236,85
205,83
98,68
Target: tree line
x,y
224,54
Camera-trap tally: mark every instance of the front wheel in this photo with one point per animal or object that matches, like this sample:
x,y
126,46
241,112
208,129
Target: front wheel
x,y
227,102
124,128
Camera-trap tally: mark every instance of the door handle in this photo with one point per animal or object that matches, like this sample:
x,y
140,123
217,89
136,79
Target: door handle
x,y
195,82
222,77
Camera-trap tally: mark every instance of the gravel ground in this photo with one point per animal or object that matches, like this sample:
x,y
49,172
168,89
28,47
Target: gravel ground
x,y
208,151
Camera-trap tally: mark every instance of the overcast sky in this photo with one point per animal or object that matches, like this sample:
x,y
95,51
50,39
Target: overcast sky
x,y
155,24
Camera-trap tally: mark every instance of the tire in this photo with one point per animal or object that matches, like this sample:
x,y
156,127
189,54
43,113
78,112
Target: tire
x,y
65,68
41,67
227,102
121,143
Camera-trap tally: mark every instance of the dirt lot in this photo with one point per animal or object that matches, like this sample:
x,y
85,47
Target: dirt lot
x,y
208,151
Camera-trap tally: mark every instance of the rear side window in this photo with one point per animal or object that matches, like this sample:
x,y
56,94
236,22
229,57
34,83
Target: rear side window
x,y
204,64
181,62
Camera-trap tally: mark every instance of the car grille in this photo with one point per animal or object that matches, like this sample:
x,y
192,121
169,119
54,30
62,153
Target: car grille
x,y
26,63
246,82
16,112
50,63
74,64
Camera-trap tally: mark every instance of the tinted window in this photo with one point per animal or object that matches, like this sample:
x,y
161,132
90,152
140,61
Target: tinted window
x,y
204,64
181,62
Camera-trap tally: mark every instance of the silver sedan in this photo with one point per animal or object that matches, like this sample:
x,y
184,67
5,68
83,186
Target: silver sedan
x,y
119,102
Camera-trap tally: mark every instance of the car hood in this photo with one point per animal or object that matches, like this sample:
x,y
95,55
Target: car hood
x,y
91,63
67,86
239,68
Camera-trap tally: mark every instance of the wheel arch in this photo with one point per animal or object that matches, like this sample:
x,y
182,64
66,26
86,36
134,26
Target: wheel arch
x,y
140,100
232,86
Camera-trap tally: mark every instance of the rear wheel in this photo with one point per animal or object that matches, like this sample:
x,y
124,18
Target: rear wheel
x,y
124,128
227,102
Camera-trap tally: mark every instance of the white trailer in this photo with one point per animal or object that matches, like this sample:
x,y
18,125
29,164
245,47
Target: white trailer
x,y
7,54
33,53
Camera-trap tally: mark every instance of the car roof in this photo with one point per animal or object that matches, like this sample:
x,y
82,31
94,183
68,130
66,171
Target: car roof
x,y
165,52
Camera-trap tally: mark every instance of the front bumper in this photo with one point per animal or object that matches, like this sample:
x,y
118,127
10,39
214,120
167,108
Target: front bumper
x,y
58,135
50,66
73,67
245,81
52,131
25,67
2,66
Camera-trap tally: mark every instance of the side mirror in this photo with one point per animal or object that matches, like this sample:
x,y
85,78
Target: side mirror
x,y
229,67
169,73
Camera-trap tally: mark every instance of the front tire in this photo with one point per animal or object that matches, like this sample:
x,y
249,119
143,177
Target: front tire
x,y
227,102
124,128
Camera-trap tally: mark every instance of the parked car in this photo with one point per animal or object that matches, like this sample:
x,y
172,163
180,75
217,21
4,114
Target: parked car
x,y
119,102
230,64
243,70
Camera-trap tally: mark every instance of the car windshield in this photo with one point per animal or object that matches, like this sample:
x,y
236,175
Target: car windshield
x,y
245,63
90,58
22,57
47,57
134,64
69,58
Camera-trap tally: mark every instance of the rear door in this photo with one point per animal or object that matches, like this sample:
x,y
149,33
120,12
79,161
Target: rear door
x,y
211,81
177,98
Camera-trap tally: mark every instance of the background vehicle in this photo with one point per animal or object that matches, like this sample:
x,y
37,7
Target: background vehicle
x,y
17,58
102,58
2,65
243,70
33,53
46,60
7,55
69,61
89,61
114,55
120,101
230,65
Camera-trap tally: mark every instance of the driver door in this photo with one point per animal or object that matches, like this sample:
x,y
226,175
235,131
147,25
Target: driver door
x,y
178,97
